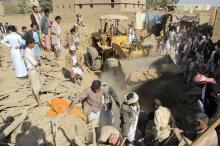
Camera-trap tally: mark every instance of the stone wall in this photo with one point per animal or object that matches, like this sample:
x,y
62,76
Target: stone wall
x,y
2,12
90,8
216,29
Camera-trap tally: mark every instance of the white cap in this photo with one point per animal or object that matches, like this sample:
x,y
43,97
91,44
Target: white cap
x,y
72,48
204,37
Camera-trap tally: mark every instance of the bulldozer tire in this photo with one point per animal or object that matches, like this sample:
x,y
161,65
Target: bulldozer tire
x,y
92,59
111,63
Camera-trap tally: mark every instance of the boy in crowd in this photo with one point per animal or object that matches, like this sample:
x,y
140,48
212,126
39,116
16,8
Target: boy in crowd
x,y
32,65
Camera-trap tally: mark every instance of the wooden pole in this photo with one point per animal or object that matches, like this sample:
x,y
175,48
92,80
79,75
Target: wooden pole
x,y
206,133
13,126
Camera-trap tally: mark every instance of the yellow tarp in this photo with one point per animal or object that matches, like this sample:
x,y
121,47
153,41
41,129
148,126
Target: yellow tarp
x,y
59,106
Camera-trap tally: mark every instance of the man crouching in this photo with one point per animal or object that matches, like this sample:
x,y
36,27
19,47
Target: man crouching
x,y
74,64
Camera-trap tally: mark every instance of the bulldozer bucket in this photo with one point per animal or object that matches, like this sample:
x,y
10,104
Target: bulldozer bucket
x,y
142,69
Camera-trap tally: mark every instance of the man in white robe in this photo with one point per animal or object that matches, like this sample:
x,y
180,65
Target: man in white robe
x,y
14,41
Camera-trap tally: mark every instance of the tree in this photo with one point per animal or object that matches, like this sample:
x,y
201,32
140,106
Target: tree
x,y
23,6
46,4
163,3
151,4
159,3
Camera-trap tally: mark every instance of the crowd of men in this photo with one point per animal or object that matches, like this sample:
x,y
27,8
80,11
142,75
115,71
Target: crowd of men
x,y
97,101
25,46
192,49
44,33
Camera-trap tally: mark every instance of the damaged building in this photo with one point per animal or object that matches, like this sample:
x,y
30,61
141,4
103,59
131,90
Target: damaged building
x,y
69,8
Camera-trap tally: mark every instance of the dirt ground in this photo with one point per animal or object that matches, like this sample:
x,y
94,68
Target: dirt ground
x,y
37,128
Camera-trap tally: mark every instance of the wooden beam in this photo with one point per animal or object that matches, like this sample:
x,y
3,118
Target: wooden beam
x,y
14,125
206,133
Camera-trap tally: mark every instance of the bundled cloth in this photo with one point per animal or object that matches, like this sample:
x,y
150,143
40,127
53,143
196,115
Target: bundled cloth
x,y
60,105
202,79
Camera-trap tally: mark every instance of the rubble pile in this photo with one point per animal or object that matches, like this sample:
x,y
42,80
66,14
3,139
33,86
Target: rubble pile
x,y
23,122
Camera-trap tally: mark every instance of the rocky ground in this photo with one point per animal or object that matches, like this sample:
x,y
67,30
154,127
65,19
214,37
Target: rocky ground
x,y
24,124
28,124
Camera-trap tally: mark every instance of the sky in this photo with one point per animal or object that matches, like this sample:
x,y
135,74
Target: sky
x,y
211,2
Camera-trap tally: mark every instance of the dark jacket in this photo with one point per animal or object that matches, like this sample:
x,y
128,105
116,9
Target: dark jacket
x,y
216,57
127,118
33,20
29,34
45,25
201,47
212,102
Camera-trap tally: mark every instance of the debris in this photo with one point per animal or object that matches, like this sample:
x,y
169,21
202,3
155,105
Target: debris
x,y
31,121
14,125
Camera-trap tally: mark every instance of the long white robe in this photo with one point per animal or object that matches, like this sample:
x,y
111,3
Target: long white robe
x,y
14,41
133,128
18,63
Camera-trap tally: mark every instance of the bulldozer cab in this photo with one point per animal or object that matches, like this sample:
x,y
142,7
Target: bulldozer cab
x,y
110,28
110,24
111,43
116,37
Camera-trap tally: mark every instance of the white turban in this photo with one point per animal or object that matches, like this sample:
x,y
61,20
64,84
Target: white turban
x,y
132,100
72,48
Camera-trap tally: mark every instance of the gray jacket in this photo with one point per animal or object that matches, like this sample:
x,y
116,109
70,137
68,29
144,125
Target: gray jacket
x,y
45,25
127,117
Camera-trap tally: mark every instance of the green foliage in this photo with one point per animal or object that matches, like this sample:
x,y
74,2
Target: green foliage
x,y
151,4
163,3
46,4
175,1
23,6
159,3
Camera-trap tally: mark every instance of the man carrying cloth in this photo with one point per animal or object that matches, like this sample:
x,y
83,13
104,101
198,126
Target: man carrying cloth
x,y
97,103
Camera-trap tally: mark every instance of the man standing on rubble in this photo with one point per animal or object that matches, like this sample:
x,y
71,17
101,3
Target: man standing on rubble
x,y
97,103
130,110
74,37
131,33
201,49
33,33
213,57
56,37
36,17
209,101
15,42
46,30
163,122
33,72
79,20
